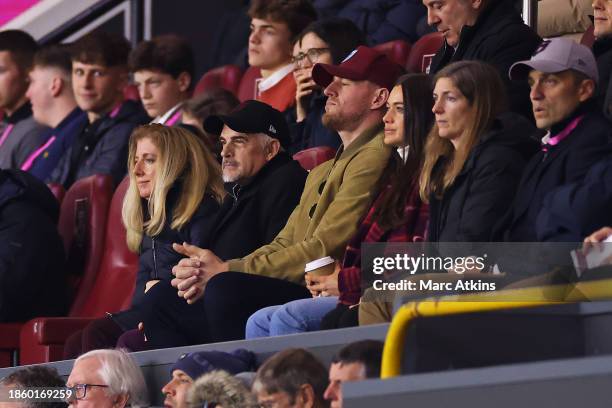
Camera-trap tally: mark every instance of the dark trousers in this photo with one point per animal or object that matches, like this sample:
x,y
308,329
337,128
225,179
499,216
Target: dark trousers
x,y
220,315
99,334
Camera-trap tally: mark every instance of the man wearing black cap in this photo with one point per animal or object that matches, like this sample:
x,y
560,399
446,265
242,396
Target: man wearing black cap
x,y
336,195
263,182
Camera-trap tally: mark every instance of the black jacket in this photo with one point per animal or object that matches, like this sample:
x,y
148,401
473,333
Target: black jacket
x,y
567,162
310,132
157,256
603,52
574,211
482,192
499,38
32,273
252,215
101,147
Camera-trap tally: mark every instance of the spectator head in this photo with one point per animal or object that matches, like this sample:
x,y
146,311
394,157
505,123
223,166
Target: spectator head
x,y
214,102
251,135
99,72
275,25
107,378
602,10
219,389
189,367
468,95
450,16
163,71
50,89
562,75
33,376
326,41
17,49
291,378
357,89
355,362
158,157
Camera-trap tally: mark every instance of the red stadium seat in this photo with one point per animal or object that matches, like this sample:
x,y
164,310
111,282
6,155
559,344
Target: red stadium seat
x,y
397,51
9,343
43,339
588,38
311,158
246,90
423,51
58,191
226,77
130,92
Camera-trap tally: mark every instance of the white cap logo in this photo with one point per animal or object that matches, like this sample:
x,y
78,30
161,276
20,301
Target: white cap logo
x,y
272,129
348,57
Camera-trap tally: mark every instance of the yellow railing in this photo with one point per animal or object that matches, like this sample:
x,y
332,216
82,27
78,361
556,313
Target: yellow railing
x,y
482,302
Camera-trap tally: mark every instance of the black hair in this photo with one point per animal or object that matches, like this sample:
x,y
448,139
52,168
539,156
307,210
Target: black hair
x,y
170,54
342,36
98,47
366,352
21,45
54,56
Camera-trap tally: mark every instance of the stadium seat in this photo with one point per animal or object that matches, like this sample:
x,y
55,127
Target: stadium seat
x,y
246,90
81,225
398,51
130,92
43,339
588,38
311,158
423,51
58,191
9,343
226,77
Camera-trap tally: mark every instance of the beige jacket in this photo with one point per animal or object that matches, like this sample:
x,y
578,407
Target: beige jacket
x,y
336,196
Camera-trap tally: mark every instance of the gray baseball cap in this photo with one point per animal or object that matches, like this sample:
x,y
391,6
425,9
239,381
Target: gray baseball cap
x,y
556,55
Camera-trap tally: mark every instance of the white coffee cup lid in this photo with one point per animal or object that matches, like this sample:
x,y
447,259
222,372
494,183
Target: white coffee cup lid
x,y
318,263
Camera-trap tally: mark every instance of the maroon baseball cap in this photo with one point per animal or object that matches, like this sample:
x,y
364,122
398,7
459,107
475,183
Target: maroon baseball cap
x,y
363,64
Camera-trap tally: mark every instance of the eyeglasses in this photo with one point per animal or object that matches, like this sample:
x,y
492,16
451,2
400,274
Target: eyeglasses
x,y
313,55
79,391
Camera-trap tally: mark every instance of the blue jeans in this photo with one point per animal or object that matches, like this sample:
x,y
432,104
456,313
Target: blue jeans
x,y
298,316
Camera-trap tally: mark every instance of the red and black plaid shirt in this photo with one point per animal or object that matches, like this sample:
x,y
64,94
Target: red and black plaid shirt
x,y
414,229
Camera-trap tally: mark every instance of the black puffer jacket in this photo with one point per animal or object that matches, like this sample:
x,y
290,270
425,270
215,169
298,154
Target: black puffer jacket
x,y
499,38
32,273
157,256
603,52
483,191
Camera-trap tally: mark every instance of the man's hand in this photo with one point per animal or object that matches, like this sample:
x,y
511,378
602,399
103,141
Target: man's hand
x,y
150,284
598,235
192,273
326,285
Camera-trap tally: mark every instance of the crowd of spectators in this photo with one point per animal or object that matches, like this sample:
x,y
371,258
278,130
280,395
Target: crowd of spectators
x,y
506,138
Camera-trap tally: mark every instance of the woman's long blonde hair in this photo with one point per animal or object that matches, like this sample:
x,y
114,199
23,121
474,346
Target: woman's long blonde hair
x,y
483,88
182,159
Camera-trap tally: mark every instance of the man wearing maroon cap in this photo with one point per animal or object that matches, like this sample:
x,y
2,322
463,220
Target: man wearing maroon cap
x,y
336,195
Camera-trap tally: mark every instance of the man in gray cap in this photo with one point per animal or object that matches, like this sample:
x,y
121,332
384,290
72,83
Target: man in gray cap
x,y
563,79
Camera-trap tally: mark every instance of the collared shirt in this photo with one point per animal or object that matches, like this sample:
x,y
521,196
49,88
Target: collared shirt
x,y
263,85
162,119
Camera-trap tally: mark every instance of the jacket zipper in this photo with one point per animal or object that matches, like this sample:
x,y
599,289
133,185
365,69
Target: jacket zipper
x,y
155,276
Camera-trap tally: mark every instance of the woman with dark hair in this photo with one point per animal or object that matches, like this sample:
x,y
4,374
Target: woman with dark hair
x,y
474,156
326,41
397,215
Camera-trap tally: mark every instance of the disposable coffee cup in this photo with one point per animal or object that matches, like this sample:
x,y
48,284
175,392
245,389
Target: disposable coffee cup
x,y
321,267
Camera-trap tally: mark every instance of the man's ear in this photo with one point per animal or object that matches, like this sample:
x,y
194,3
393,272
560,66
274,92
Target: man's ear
x,y
380,98
57,85
305,396
272,149
121,400
586,89
476,4
184,81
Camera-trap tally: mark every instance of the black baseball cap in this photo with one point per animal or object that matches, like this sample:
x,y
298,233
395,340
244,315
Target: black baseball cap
x,y
252,117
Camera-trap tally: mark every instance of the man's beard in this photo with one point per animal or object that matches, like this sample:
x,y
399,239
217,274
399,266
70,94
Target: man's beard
x,y
339,121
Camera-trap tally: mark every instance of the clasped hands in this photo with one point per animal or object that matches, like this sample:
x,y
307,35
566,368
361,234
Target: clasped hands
x,y
192,273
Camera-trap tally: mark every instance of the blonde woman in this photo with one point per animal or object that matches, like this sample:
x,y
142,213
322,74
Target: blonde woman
x,y
174,194
474,154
